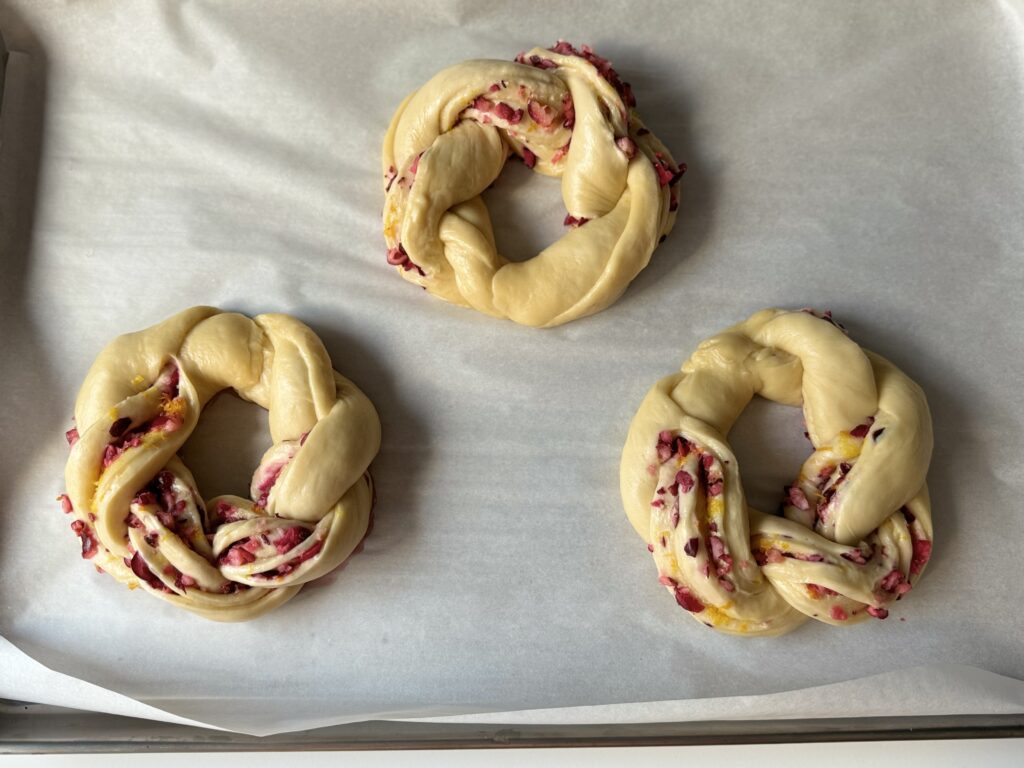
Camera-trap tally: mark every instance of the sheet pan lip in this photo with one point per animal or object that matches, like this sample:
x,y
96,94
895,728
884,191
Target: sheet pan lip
x,y
27,728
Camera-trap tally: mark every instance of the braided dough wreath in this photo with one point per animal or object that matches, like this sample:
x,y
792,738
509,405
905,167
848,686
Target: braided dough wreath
x,y
135,504
856,530
567,114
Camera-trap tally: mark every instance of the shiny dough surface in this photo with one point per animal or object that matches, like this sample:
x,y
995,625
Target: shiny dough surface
x,y
567,114
135,505
855,531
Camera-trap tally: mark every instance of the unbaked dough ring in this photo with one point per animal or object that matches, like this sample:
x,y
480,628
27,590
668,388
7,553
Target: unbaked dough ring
x,y
856,530
135,504
567,114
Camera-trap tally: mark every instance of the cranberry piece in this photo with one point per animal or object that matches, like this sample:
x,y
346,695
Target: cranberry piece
x,y
893,579
237,555
774,556
172,382
717,547
507,113
312,551
687,600
569,110
666,175
541,114
140,569
922,553
289,538
817,591
397,255
798,498
84,532
627,146
685,480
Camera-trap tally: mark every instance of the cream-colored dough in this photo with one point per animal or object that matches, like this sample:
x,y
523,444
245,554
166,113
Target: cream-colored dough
x,y
136,506
856,532
567,114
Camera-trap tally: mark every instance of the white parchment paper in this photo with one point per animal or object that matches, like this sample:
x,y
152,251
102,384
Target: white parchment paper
x,y
861,158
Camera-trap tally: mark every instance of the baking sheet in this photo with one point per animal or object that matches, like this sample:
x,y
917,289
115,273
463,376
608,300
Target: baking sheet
x,y
865,159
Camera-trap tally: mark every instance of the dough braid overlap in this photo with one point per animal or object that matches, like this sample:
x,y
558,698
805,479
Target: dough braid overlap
x,y
567,114
855,532
135,504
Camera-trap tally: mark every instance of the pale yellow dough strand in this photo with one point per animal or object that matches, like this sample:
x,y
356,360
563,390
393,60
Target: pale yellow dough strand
x,y
567,114
856,530
136,506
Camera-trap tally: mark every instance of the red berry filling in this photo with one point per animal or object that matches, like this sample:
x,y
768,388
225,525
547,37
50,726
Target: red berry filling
x,y
169,419
541,114
569,110
627,145
171,510
140,569
85,533
687,599
826,316
268,483
399,258
817,591
667,176
922,553
601,64
798,498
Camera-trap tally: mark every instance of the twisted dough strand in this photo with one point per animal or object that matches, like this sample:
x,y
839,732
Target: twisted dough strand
x,y
566,114
856,531
136,506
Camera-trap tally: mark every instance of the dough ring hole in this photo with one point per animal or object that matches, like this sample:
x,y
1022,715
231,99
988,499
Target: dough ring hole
x,y
769,444
527,211
227,443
